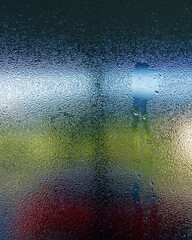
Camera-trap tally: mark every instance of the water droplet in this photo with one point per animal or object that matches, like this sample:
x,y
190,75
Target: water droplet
x,y
144,116
152,183
139,175
136,113
148,142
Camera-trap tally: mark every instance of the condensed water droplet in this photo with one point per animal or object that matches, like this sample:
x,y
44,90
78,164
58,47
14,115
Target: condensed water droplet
x,y
148,142
139,175
144,116
136,113
152,183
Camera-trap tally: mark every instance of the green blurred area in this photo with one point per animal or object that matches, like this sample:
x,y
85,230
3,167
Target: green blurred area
x,y
42,149
149,148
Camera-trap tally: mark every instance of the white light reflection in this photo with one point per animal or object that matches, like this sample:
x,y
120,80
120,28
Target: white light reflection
x,y
184,134
28,87
144,83
140,83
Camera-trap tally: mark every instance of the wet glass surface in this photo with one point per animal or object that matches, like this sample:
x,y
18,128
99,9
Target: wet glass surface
x,y
95,120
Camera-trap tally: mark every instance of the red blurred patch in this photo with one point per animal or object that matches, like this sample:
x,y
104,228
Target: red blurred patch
x,y
76,217
41,215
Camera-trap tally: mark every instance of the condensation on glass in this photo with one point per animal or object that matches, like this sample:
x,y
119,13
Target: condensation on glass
x,y
96,146
96,154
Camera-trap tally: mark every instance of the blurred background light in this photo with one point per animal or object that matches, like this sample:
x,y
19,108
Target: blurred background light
x,y
144,82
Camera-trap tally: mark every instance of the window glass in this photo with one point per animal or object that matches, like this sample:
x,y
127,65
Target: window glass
x,y
95,120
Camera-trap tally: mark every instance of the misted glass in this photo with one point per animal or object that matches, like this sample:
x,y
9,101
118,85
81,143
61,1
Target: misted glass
x,y
95,124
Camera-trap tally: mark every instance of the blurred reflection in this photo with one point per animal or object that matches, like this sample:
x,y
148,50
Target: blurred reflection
x,y
144,86
27,87
86,156
184,133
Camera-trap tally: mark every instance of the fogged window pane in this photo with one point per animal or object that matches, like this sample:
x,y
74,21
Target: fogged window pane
x,y
95,121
